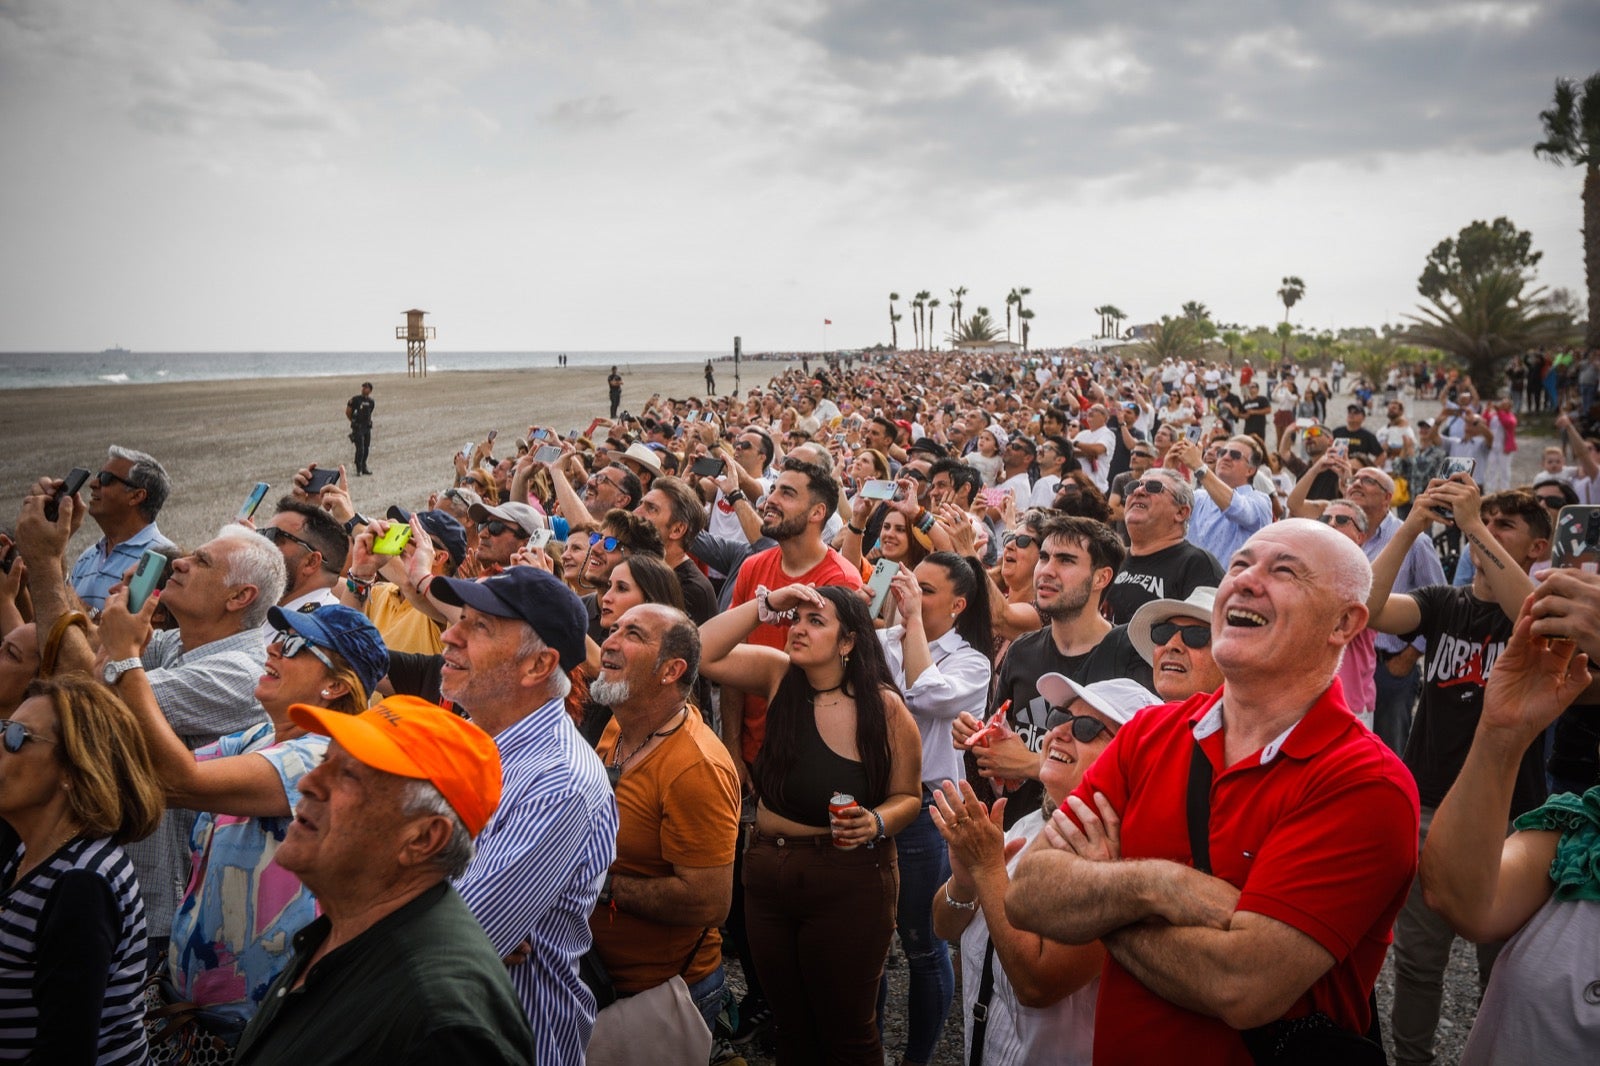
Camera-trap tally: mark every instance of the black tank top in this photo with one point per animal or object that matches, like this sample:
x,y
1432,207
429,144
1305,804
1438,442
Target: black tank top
x,y
802,793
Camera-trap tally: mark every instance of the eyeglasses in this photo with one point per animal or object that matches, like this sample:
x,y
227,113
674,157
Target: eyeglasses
x,y
1235,454
1085,727
1195,636
1370,480
743,445
609,544
16,734
106,477
278,536
291,644
1016,446
1021,540
1555,503
1340,520
494,527
1151,486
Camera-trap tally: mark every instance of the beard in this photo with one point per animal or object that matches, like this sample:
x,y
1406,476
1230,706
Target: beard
x,y
1069,604
609,693
784,528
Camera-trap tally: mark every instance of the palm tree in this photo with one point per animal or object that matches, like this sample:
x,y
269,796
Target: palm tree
x,y
1194,309
1232,339
1116,315
1284,332
977,328
1011,299
1487,320
1293,289
928,329
1572,135
1172,338
919,318
1101,311
894,334
1024,316
1021,292
955,307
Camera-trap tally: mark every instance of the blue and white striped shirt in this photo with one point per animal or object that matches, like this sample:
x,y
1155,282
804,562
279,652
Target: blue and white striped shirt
x,y
537,869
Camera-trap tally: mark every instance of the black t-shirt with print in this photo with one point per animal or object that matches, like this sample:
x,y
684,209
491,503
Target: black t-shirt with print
x,y
1169,574
1031,657
1256,410
1465,637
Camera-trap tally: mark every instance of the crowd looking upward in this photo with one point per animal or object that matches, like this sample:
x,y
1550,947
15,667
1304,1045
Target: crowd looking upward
x,y
1141,690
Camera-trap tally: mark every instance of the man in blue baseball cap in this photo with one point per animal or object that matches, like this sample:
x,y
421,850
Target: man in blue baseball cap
x,y
540,860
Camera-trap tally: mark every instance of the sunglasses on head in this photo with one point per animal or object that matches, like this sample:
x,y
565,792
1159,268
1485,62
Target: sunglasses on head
x,y
291,644
1340,520
278,536
494,527
16,734
106,477
1194,636
1085,727
609,544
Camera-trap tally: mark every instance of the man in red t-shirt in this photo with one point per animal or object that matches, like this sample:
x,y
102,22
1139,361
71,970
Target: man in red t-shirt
x,y
1309,821
793,514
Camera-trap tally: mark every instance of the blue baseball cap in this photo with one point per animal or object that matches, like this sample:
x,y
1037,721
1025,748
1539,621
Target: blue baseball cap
x,y
340,629
527,594
441,524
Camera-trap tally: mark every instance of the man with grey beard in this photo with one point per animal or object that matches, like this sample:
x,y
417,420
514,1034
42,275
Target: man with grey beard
x,y
678,805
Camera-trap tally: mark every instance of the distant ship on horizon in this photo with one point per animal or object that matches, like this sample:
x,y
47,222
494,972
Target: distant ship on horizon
x,y
119,350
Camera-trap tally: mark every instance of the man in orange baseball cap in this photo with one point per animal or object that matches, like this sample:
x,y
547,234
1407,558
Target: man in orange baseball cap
x,y
396,968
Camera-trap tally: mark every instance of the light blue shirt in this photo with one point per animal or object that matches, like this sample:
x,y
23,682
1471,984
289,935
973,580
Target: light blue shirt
x,y
1224,532
97,569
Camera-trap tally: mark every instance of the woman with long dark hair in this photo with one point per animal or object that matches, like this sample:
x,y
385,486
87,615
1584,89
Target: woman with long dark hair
x,y
820,885
939,658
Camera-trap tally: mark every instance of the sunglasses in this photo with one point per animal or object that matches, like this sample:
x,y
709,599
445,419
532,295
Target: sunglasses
x,y
1085,727
291,644
494,527
278,536
1340,520
1021,540
454,494
1235,454
609,544
16,734
1151,486
1196,637
743,445
106,477
1555,503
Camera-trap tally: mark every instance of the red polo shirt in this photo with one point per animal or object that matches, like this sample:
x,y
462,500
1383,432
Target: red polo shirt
x,y
1317,830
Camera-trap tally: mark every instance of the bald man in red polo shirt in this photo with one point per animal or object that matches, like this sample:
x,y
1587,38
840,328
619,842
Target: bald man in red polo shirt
x,y
1308,819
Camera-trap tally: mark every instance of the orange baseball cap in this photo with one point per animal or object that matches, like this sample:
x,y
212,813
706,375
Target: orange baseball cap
x,y
410,737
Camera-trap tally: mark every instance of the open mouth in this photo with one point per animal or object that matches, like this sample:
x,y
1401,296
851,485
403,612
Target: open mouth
x,y
1057,755
1238,616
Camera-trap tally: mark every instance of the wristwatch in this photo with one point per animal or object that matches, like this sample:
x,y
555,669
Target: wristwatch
x,y
1200,474
357,519
117,667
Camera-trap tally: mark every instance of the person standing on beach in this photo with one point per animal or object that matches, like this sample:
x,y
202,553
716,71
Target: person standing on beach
x,y
711,380
614,383
359,412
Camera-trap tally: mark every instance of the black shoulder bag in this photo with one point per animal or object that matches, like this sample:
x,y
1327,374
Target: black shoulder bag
x,y
1313,1039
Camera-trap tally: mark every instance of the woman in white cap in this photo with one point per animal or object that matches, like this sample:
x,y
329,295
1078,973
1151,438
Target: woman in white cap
x,y
1038,995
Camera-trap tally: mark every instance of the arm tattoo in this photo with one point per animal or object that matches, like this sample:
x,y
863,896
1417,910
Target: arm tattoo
x,y
1487,554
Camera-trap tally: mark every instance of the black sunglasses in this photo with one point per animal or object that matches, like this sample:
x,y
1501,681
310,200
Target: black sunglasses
x,y
106,477
278,536
16,734
1021,540
1196,637
1555,503
1340,520
1150,486
1085,727
494,527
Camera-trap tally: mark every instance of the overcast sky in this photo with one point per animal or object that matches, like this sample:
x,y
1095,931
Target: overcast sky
x,y
643,176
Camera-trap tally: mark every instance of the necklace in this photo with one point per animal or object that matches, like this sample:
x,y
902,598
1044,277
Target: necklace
x,y
614,769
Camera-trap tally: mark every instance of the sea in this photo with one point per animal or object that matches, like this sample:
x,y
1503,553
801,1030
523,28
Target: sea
x,y
38,370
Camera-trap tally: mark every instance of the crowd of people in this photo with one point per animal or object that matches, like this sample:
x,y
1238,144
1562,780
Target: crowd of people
x,y
1131,698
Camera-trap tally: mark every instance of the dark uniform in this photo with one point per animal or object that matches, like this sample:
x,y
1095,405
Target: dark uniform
x,y
359,412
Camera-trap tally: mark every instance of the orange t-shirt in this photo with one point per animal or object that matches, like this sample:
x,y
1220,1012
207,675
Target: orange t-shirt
x,y
679,806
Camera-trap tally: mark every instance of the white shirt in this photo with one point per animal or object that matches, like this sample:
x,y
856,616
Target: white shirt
x,y
1044,490
1019,488
1097,467
957,680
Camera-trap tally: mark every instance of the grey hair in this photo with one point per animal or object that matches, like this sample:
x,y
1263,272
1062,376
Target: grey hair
x,y
1360,516
255,561
819,455
560,685
423,797
1182,491
147,474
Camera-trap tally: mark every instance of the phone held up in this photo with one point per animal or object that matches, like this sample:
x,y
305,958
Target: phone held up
x,y
394,539
321,478
253,501
882,574
73,482
1576,542
151,574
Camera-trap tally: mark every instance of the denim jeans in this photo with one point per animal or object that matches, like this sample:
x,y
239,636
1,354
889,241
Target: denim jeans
x,y
708,994
924,866
1396,698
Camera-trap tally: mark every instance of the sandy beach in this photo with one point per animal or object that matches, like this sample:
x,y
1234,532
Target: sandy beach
x,y
218,438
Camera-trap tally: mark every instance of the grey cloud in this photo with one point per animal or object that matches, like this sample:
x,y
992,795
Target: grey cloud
x,y
587,112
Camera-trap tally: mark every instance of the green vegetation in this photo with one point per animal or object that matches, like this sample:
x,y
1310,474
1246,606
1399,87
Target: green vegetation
x,y
1572,136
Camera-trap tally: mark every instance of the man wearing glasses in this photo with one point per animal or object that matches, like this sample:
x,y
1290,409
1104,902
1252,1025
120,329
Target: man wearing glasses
x,y
1161,563
502,532
1228,509
314,547
124,499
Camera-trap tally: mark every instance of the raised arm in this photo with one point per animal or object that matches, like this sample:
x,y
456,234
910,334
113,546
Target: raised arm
x,y
1388,612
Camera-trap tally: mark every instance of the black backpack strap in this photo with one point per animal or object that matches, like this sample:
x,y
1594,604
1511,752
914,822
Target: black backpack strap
x,y
1199,808
980,1008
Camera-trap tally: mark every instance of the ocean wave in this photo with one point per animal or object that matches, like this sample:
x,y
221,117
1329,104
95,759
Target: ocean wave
x,y
115,379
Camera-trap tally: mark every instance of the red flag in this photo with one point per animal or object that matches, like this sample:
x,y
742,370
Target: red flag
x,y
827,322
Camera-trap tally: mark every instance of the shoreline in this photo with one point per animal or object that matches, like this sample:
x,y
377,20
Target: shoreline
x,y
218,438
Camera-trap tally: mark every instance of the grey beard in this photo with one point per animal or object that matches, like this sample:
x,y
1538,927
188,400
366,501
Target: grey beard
x,y
609,693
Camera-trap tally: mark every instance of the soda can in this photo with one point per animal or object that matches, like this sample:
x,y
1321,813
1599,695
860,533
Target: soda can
x,y
840,803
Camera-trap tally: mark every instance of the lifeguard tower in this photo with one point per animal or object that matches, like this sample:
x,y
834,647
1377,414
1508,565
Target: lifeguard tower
x,y
416,336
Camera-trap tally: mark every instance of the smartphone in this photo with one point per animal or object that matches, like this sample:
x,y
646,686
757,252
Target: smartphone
x,y
878,584
1340,448
252,501
1576,543
877,489
547,453
710,416
1458,464
466,450
9,559
73,482
572,434
1193,433
493,433
1305,423
149,575
539,538
321,478
706,466
995,498
539,434
394,539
